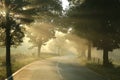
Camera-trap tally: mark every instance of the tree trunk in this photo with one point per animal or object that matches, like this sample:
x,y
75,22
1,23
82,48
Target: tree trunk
x,y
8,42
89,51
39,49
8,55
105,57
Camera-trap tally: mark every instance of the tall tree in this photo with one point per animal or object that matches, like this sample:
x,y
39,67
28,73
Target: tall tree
x,y
11,34
98,22
11,29
15,12
7,40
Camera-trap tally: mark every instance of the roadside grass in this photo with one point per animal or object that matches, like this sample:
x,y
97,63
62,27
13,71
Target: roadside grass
x,y
111,73
2,68
19,63
20,60
2,73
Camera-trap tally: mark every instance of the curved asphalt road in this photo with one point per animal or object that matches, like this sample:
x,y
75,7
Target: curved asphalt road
x,y
59,68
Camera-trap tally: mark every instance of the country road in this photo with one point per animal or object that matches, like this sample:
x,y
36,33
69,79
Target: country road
x,y
58,68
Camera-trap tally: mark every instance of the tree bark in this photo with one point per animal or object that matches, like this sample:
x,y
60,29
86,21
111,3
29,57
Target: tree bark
x,y
89,51
8,54
105,57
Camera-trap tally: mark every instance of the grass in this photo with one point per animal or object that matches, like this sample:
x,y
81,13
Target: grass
x,y
20,60
112,73
2,68
2,73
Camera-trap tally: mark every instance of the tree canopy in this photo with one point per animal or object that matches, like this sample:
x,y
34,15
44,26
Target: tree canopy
x,y
15,12
97,21
17,32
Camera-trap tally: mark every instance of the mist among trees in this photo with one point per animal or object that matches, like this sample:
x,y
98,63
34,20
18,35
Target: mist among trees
x,y
87,23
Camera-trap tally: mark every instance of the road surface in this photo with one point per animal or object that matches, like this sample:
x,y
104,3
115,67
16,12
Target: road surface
x,y
59,68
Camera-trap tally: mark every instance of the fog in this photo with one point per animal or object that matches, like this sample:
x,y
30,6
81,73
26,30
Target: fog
x,y
64,43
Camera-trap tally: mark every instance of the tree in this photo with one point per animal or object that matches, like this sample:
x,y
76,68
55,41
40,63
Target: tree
x,y
98,22
15,12
11,34
40,34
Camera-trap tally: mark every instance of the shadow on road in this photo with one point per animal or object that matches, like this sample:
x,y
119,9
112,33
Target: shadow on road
x,y
75,72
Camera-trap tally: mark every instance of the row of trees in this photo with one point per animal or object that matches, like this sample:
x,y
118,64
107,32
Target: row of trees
x,y
98,22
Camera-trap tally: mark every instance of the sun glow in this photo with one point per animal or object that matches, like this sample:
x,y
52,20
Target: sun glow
x,y
2,13
65,4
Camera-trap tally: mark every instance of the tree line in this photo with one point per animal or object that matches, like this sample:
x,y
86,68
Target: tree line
x,y
97,21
